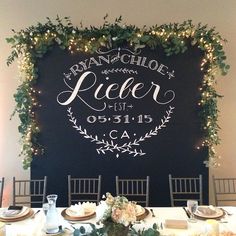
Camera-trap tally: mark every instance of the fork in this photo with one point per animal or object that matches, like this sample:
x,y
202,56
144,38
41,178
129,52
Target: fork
x,y
33,216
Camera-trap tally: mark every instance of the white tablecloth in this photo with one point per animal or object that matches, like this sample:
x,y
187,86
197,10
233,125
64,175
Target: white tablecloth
x,y
34,227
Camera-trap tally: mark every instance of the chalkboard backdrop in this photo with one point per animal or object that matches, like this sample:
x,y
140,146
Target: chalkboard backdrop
x,y
120,112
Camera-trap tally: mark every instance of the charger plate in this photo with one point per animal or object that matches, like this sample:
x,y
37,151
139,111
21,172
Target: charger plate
x,y
142,215
4,211
77,218
19,217
218,214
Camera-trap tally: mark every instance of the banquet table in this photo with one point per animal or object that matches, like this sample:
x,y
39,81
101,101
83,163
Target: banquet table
x,y
35,226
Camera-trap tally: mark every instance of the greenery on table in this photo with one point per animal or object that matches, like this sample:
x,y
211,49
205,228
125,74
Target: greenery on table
x,y
102,231
32,43
115,217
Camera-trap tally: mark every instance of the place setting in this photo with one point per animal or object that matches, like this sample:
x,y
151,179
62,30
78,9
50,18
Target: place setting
x,y
112,215
141,212
209,212
16,213
87,210
80,212
202,212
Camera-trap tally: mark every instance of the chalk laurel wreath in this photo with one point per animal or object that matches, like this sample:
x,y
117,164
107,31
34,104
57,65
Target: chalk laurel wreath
x,y
126,147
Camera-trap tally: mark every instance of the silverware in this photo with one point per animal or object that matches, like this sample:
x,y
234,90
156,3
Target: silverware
x,y
226,212
223,221
153,215
187,213
161,225
71,225
32,217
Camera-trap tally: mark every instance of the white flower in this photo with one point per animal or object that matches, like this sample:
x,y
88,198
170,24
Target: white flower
x,y
101,209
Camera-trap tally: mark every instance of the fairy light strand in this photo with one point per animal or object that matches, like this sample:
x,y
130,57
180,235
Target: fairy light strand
x,y
30,44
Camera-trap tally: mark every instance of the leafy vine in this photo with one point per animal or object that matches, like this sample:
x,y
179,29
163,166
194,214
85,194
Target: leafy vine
x,y
32,43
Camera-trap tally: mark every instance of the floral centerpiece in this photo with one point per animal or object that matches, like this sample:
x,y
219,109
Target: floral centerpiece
x,y
117,214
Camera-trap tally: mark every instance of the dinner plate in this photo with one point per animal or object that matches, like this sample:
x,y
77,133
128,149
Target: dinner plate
x,y
18,218
87,216
75,214
141,211
212,214
25,210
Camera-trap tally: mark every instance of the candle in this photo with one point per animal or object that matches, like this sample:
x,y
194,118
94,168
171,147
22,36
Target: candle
x,y
2,229
212,228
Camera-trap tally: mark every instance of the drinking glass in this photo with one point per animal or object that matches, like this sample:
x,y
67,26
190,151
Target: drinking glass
x,y
45,208
192,207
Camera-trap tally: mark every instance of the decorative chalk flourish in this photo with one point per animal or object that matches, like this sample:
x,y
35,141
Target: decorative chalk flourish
x,y
126,147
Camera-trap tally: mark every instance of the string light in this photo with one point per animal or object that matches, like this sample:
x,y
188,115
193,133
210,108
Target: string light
x,y
32,43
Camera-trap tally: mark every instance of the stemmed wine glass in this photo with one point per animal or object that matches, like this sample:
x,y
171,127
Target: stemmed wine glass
x,y
192,207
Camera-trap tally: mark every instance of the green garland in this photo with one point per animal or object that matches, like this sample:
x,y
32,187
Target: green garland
x,y
32,43
100,231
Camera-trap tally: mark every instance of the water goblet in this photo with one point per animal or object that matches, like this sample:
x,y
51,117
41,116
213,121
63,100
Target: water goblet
x,y
192,207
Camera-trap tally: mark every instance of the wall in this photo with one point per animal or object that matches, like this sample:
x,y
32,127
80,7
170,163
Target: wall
x,y
21,14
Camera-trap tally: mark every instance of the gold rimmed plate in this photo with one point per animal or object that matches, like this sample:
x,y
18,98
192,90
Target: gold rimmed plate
x,y
143,214
216,214
5,213
19,217
87,216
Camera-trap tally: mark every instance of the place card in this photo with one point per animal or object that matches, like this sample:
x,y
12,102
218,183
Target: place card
x,y
176,224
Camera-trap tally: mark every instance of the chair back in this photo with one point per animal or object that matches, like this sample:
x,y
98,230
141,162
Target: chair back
x,y
134,189
29,192
183,189
224,191
84,189
1,190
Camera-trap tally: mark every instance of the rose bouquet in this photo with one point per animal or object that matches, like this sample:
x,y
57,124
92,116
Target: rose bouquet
x,y
117,214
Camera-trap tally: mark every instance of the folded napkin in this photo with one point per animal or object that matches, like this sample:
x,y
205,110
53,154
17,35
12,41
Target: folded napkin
x,y
76,210
89,207
81,209
139,210
176,224
9,213
12,211
206,210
